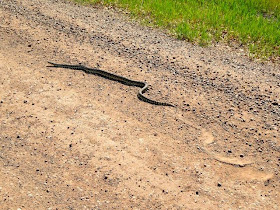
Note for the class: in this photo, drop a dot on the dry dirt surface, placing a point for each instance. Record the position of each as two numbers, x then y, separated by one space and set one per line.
70 140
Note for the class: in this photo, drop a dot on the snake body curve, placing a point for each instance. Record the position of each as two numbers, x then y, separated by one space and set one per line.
114 77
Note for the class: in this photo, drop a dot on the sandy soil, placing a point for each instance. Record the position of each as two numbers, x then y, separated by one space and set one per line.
70 140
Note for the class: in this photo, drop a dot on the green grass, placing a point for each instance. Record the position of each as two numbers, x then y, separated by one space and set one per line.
254 24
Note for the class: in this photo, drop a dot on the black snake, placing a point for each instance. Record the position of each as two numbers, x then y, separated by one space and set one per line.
114 77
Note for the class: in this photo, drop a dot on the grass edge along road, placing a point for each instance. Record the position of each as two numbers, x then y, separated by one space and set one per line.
252 24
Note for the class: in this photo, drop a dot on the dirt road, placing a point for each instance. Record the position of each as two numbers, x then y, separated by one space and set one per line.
70 140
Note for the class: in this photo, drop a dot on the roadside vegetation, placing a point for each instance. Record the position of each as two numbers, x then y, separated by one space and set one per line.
253 24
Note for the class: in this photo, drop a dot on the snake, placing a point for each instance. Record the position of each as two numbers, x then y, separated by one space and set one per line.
143 85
